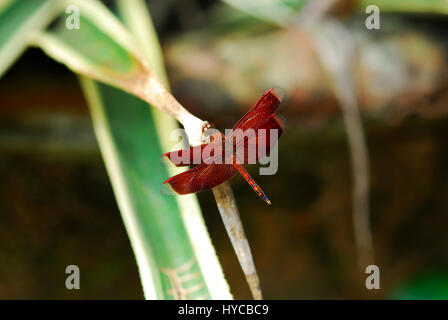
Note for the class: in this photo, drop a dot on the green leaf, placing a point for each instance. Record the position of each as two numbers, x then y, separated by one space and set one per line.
17 19
174 253
101 48
430 286
137 18
282 12
168 235
414 6
129 143
278 12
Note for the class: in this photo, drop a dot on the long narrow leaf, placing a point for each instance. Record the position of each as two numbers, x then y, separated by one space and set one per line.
17 19
138 20
129 143
415 6
103 49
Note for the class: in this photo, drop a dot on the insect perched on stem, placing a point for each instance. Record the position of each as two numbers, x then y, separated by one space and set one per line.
250 140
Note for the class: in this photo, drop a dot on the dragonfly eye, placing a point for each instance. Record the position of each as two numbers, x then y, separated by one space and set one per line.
207 126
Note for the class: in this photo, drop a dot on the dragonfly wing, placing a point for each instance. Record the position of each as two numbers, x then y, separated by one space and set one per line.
259 142
185 157
266 140
199 178
192 155
258 114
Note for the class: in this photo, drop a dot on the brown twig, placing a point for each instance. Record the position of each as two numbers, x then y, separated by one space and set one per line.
231 218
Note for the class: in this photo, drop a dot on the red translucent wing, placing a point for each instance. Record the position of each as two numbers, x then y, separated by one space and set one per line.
263 144
275 121
193 155
186 157
199 178
258 114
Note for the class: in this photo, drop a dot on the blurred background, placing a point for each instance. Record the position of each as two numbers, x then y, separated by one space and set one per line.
57 206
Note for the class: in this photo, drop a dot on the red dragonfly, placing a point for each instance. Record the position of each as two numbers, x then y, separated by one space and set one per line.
216 169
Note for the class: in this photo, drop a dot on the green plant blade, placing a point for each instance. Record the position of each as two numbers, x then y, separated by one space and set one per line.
139 22
101 48
168 234
159 227
284 12
278 12
17 19
414 6
129 144
137 19
432 285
